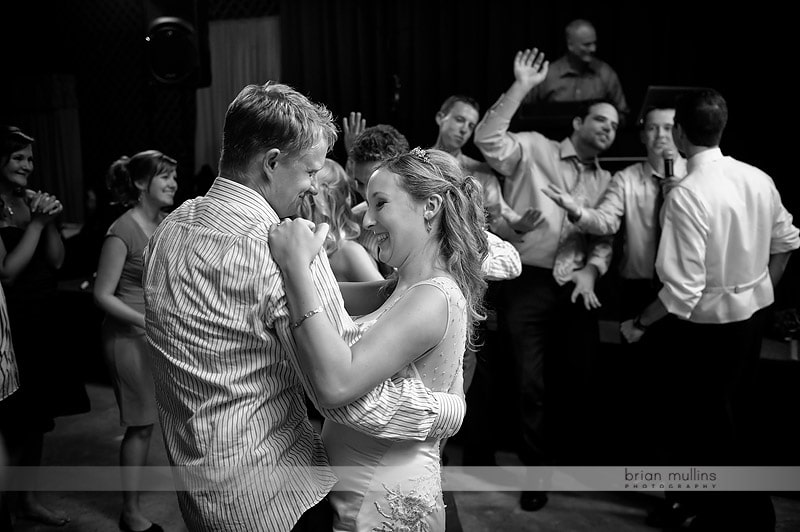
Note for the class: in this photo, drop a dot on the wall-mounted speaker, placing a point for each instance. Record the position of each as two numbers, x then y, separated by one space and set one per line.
176 41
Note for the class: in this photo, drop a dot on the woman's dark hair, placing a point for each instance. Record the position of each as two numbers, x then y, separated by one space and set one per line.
12 139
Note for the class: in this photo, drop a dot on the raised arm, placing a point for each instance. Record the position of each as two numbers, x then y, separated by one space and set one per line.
530 69
352 128
499 148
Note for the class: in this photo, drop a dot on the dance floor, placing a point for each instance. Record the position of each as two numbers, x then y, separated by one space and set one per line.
93 439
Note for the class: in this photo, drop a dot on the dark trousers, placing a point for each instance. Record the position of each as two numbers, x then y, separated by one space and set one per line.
640 379
481 428
318 517
635 295
554 343
452 523
709 419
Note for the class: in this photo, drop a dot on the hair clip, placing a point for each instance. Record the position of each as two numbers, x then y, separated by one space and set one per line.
421 154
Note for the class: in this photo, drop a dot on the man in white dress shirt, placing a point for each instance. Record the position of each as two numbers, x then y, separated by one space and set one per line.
634 196
549 311
725 242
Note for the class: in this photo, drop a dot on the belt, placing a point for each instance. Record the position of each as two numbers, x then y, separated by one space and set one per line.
738 287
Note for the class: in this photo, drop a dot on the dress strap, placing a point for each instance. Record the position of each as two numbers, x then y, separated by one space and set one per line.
416 371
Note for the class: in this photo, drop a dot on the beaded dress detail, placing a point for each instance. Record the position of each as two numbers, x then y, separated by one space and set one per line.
393 486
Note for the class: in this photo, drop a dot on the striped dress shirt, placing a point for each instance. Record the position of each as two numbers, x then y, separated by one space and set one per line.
228 383
503 260
9 375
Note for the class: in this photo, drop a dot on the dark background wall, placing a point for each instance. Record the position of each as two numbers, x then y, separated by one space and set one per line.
397 60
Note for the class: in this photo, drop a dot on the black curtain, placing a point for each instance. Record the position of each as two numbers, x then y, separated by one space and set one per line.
342 54
362 54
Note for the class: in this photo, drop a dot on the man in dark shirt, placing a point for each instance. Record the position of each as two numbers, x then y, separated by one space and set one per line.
579 75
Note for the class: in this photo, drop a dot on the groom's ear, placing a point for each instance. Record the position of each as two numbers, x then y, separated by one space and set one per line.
270 161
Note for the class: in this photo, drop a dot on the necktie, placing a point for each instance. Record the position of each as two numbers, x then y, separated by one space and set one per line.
658 216
571 242
659 204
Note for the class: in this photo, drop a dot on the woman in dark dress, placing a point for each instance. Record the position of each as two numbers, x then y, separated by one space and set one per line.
31 251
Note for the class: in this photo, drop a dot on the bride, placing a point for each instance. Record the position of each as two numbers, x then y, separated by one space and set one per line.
428 218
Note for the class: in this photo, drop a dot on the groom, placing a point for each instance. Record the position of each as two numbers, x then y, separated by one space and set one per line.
228 383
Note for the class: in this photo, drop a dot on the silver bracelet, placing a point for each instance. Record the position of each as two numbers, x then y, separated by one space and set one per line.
305 316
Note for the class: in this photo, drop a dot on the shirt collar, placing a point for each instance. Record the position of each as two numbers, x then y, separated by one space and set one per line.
242 200
570 70
567 151
649 171
704 157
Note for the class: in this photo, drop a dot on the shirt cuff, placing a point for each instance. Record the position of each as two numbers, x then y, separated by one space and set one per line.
600 264
673 303
452 409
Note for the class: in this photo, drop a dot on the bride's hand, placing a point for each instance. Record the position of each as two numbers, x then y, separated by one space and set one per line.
295 243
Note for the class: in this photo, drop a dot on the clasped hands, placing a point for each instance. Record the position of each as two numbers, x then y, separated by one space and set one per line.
296 243
43 204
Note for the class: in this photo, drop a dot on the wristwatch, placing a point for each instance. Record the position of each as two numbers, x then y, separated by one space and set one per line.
639 325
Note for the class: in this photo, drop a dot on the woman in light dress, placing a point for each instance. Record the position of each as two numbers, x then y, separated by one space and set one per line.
428 219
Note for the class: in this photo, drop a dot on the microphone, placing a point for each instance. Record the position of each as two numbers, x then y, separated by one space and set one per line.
669 161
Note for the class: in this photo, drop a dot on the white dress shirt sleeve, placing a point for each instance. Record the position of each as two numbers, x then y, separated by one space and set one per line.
500 148
680 262
784 236
606 217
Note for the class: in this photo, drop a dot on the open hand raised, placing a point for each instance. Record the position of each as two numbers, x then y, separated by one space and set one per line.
352 128
530 67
